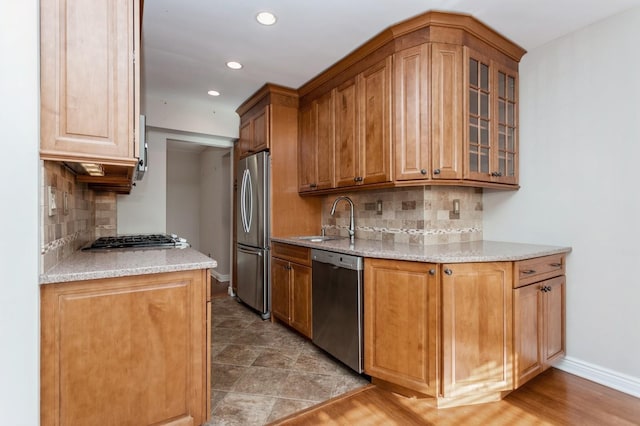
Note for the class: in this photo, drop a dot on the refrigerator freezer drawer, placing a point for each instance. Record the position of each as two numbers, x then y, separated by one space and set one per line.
253 278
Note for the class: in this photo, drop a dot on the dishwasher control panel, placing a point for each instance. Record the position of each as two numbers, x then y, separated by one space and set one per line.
341 260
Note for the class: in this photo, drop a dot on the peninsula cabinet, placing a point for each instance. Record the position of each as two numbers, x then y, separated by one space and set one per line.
363 127
126 351
316 145
291 286
462 333
89 90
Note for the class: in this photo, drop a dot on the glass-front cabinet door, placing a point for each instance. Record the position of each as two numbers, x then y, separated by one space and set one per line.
491 120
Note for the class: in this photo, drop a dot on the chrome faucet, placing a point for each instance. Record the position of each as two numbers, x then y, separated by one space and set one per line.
352 227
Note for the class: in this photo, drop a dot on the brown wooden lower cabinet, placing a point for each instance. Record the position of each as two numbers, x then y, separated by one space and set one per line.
291 286
126 351
459 332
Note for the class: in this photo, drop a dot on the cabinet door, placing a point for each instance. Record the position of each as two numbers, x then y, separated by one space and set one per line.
505 153
446 111
260 139
244 142
411 145
125 351
301 298
374 142
479 115
528 332
554 320
346 134
476 328
401 323
87 80
280 289
307 148
325 143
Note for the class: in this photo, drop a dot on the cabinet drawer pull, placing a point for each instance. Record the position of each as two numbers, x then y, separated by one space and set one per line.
423 171
313 185
556 264
436 172
529 271
448 271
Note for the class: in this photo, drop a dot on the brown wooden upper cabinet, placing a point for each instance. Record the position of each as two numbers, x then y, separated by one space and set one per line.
435 96
89 89
316 144
254 131
363 127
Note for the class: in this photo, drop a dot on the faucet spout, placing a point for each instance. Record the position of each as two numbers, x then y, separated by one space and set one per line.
352 227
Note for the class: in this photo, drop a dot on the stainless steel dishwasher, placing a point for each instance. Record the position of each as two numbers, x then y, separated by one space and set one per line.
337 305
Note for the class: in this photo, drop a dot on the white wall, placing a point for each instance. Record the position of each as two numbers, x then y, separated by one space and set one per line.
580 151
19 249
144 209
215 211
183 195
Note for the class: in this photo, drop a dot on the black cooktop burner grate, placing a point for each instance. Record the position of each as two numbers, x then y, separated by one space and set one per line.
131 241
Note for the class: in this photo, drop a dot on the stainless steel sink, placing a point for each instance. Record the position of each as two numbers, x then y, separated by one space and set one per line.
319 238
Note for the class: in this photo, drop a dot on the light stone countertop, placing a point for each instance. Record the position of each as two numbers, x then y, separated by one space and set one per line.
89 265
476 251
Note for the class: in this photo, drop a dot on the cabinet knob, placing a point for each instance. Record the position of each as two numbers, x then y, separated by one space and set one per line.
432 271
357 179
436 171
543 289
313 185
448 271
423 171
496 174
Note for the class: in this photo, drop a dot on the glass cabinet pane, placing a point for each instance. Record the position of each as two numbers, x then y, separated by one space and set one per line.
511 92
484 77
473 73
501 84
473 102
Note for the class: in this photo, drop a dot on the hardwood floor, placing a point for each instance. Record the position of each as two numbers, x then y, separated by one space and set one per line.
553 398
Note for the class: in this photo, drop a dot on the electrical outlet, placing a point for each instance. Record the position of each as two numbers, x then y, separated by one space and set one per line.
52 200
379 207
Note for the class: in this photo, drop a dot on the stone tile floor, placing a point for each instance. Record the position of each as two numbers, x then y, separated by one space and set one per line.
262 371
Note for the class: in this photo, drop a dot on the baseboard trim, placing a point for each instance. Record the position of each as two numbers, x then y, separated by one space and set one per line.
220 277
604 376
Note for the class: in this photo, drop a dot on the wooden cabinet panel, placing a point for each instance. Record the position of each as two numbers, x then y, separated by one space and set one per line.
125 351
260 140
244 142
374 97
280 289
411 120
297 254
301 298
476 328
401 323
316 145
528 333
88 80
446 111
537 269
553 312
346 134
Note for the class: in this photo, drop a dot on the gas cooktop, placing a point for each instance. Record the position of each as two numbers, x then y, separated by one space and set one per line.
135 241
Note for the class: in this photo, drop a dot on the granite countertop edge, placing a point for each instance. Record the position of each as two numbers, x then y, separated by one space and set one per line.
476 251
91 265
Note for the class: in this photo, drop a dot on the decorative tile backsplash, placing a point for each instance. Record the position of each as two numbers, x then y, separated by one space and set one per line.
85 216
416 215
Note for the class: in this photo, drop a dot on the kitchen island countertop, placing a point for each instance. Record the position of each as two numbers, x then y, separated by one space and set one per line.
88 265
475 251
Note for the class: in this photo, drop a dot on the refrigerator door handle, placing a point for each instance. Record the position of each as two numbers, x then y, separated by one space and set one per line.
245 190
248 251
249 201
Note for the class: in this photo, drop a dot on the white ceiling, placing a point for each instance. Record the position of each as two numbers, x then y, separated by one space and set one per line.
186 43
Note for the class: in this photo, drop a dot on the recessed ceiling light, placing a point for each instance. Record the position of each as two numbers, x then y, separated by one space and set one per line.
266 18
213 93
234 65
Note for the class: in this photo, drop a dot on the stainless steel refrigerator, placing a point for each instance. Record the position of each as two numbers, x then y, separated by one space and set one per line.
252 249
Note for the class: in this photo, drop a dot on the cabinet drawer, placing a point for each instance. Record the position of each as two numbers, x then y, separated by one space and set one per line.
296 254
538 269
